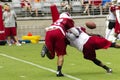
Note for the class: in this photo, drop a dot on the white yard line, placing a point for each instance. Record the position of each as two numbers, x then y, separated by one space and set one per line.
38 66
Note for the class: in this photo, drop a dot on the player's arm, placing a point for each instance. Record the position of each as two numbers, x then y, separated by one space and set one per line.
70 36
72 29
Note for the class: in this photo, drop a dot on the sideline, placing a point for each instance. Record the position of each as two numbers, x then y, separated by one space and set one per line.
36 65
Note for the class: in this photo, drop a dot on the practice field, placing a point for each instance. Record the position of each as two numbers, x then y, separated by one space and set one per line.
25 63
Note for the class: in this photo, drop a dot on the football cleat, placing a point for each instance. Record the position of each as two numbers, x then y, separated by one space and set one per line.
109 70
59 74
44 51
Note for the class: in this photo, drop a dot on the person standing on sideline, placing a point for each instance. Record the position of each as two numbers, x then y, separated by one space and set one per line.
9 17
55 40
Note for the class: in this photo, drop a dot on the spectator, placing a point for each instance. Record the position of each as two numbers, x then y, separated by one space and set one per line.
86 4
97 4
106 4
26 5
36 6
9 17
66 6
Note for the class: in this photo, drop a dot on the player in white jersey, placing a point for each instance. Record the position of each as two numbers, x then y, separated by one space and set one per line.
110 22
88 44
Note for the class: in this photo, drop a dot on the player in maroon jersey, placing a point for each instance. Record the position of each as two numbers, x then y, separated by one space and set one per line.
55 39
111 20
117 24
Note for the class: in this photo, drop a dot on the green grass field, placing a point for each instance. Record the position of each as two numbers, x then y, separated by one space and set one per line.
25 63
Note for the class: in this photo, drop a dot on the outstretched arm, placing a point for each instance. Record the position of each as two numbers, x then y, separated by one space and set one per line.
75 31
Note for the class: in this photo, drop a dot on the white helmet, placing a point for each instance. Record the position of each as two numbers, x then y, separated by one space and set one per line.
64 15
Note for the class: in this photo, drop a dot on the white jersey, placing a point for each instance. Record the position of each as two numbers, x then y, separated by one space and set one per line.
80 41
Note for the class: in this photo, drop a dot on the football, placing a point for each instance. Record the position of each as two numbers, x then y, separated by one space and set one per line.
90 25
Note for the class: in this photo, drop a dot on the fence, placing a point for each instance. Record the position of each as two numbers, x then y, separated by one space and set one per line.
77 7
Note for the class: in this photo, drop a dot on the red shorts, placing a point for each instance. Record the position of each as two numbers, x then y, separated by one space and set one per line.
55 42
93 44
10 31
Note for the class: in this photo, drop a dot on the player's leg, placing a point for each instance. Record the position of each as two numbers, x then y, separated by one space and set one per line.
99 63
60 48
8 34
115 45
14 35
90 54
48 48
9 40
110 31
59 65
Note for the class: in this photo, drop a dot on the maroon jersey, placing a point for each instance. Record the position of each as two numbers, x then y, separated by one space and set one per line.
64 23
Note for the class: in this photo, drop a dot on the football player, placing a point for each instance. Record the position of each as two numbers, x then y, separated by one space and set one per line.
55 39
89 44
111 20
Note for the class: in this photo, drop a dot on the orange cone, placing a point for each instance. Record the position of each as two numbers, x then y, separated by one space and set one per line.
29 34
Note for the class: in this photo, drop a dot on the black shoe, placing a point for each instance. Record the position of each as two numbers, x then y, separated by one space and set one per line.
109 70
44 51
59 74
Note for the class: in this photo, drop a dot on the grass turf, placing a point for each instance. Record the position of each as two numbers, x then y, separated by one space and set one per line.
74 64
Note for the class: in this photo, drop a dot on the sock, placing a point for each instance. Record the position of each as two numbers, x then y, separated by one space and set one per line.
59 68
105 67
